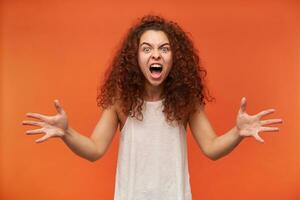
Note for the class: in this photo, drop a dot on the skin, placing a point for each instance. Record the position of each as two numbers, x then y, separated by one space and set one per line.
150 50
154 47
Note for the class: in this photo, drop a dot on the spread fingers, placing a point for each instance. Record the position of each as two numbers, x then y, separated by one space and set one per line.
36 131
33 123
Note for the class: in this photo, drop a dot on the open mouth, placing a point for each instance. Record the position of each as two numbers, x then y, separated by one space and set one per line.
156 68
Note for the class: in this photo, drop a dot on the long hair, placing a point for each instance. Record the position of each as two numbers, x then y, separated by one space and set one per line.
183 88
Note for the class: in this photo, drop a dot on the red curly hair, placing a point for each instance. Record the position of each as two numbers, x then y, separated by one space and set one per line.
183 88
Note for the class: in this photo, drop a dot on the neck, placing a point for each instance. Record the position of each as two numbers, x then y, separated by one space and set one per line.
153 93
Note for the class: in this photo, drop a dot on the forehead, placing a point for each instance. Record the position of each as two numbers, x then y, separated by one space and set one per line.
154 37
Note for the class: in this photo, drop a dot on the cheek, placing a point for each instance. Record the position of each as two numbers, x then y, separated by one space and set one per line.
169 60
142 60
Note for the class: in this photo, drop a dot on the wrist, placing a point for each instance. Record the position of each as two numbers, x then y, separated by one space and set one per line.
66 133
238 132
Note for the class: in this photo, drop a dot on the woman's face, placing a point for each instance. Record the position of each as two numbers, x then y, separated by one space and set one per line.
155 56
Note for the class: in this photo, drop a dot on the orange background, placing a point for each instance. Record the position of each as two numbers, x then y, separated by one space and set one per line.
60 49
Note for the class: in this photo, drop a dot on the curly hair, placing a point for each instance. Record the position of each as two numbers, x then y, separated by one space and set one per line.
183 88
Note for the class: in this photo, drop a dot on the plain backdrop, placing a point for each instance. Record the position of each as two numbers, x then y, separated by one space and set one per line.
61 49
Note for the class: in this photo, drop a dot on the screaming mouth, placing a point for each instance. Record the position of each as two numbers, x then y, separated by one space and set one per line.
155 68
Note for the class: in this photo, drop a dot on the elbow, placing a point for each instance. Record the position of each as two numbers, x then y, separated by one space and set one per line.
92 159
212 156
215 157
96 154
95 157
211 153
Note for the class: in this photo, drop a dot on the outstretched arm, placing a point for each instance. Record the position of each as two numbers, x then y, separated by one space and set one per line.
90 148
215 147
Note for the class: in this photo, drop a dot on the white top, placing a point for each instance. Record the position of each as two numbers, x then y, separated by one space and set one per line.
152 159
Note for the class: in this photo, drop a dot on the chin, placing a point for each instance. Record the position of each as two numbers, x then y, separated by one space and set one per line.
156 83
153 82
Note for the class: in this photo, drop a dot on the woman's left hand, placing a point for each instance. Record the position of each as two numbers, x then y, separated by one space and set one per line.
252 125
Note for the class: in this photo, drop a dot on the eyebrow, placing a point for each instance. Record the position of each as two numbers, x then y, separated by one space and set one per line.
166 43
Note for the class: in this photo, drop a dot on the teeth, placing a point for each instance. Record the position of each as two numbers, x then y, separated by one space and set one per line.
155 68
156 65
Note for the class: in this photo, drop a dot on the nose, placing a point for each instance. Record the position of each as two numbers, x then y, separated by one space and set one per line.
156 55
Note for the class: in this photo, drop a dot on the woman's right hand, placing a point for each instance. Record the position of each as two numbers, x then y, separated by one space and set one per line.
52 126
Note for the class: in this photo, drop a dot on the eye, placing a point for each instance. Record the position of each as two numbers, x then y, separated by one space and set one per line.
146 49
165 49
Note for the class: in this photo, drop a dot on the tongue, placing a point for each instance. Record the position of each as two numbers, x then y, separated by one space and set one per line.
156 74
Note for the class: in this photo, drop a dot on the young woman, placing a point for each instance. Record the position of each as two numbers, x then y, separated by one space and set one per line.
153 89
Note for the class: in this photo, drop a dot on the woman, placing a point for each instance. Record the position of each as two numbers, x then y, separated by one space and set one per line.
153 89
